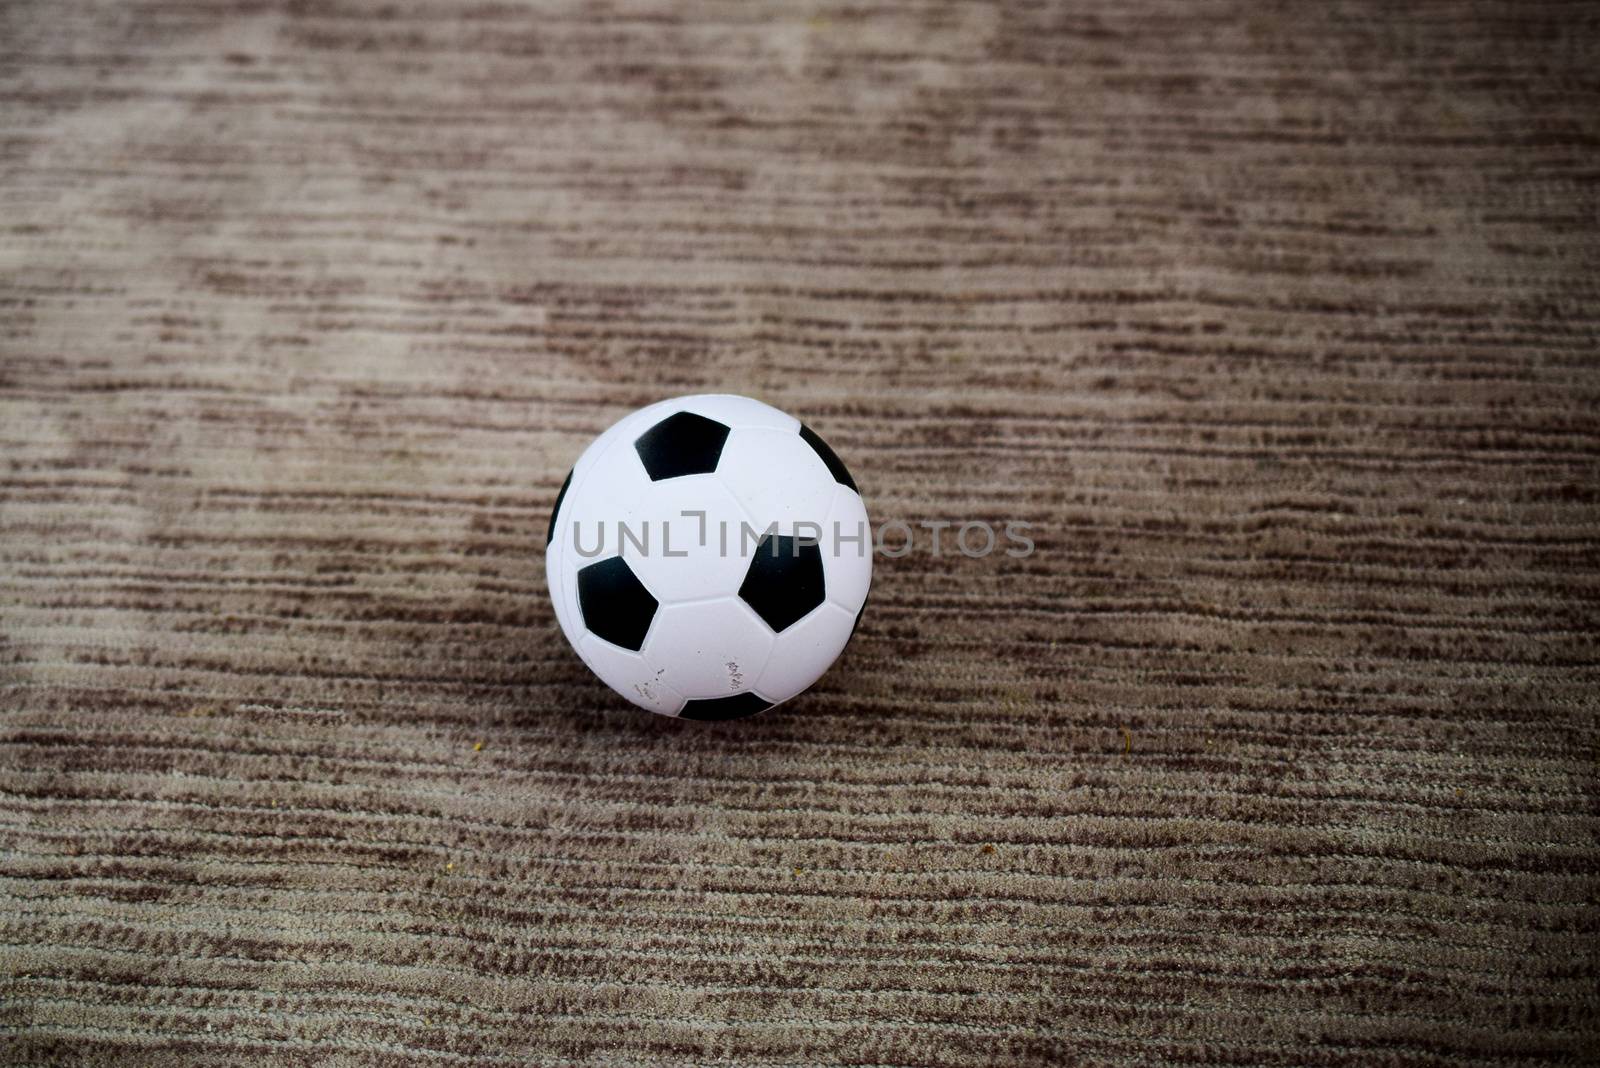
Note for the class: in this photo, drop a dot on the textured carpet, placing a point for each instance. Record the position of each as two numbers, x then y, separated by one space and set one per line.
1280 322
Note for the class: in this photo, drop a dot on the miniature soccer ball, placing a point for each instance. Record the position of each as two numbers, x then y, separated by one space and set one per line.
708 557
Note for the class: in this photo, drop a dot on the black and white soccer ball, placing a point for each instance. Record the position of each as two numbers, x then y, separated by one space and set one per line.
708 557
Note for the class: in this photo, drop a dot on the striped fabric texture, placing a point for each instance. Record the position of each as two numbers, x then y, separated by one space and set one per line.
1279 323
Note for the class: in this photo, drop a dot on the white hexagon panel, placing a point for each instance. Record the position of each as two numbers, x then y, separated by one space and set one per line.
848 566
692 557
710 648
680 556
802 494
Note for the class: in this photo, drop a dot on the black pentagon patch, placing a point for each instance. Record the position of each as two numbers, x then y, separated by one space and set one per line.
681 444
737 706
615 604
785 579
836 466
550 534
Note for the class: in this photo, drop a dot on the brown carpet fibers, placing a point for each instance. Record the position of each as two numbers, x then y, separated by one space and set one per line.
1280 321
